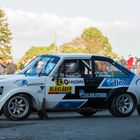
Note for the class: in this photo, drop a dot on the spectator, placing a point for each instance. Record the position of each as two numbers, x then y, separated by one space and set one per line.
11 67
129 63
135 67
2 67
138 70
123 61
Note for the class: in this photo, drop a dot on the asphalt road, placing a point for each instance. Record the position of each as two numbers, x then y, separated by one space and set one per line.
72 126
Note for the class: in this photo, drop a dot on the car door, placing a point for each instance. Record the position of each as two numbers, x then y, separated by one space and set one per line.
106 76
60 91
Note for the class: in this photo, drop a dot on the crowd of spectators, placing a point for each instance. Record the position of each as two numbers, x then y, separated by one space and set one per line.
132 63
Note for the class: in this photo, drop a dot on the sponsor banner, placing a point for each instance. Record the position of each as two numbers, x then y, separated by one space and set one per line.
62 89
113 82
70 81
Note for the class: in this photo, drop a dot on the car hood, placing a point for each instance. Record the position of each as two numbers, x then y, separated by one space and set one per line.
12 76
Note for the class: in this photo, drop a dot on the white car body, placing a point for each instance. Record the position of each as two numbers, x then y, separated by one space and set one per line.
40 87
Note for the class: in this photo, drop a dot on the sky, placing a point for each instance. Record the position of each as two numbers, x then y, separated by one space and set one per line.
41 22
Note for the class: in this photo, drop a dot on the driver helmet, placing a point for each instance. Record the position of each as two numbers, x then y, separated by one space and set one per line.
72 67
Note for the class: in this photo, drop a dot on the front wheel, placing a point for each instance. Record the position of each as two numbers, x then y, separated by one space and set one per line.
122 105
17 107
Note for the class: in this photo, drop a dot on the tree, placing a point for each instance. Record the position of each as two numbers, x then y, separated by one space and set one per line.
5 36
91 41
36 50
70 48
95 42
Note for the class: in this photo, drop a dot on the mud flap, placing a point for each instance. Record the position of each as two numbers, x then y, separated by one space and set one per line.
42 113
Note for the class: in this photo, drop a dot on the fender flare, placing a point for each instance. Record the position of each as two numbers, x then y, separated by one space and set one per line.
34 99
117 91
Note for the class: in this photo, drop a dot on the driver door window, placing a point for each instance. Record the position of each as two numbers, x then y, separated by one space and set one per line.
74 68
69 69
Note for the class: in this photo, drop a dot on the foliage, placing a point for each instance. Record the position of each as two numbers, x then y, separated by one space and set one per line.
69 48
5 36
34 51
95 42
91 41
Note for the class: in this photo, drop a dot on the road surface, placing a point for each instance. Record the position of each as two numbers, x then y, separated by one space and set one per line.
72 126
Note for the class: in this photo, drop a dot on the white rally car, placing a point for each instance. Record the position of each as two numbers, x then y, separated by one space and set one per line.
69 82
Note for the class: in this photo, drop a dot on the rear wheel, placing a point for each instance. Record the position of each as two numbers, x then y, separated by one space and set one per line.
122 105
17 107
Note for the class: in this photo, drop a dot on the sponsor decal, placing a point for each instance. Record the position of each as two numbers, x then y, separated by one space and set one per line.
69 104
41 89
112 82
23 82
82 94
54 89
74 81
138 82
35 84
60 82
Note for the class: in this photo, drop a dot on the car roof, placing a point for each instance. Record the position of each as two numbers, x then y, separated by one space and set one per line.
75 55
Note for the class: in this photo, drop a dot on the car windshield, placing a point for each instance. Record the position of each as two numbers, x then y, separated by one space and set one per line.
43 64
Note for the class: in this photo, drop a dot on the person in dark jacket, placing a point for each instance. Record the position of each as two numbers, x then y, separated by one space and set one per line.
2 66
11 67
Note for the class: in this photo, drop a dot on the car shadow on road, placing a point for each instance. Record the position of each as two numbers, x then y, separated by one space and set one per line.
33 118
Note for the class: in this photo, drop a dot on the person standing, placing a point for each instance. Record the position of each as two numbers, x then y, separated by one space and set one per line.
2 66
11 67
123 61
130 62
135 67
138 69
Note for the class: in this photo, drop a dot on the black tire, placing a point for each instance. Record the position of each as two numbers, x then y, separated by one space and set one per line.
87 113
17 108
122 105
